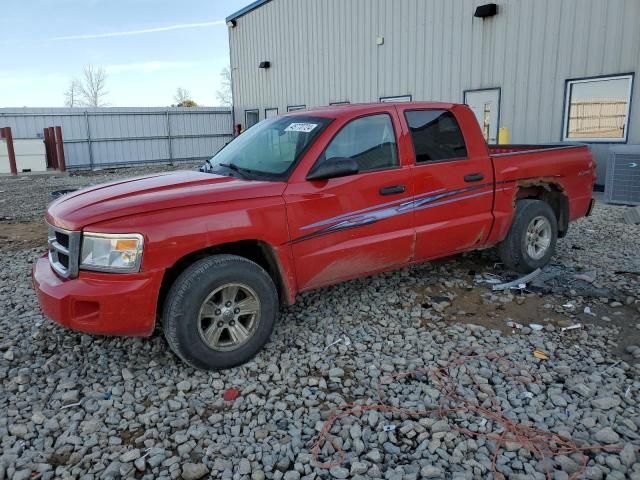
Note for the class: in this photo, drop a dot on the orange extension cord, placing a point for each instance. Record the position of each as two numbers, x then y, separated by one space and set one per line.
541 443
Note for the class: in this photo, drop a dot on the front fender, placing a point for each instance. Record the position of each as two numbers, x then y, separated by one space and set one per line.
173 234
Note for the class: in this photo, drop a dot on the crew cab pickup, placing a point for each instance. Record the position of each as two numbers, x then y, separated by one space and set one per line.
295 203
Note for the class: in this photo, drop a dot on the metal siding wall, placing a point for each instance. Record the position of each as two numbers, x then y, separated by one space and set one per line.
324 51
121 136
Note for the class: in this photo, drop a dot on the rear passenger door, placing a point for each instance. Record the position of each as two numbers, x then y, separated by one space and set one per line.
453 184
351 226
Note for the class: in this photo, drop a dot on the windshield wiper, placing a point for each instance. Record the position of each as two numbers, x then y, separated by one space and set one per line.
241 170
235 168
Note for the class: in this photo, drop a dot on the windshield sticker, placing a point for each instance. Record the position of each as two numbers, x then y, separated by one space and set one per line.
301 127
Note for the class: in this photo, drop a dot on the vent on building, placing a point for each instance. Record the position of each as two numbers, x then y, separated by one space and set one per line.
622 184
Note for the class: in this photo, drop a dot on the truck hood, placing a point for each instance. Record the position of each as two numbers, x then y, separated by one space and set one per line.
150 193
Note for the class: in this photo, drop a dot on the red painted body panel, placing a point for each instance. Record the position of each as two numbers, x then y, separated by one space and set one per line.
459 222
570 169
100 303
163 191
320 232
321 257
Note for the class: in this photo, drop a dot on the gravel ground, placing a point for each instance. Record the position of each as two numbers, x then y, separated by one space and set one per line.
25 197
477 401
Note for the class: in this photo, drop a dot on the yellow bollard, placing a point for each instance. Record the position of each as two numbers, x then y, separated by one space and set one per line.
503 136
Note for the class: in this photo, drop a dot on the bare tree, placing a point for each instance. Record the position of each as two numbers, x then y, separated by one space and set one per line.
183 98
73 94
224 94
93 86
181 95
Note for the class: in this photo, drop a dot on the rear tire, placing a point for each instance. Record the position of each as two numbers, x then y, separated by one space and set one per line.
220 312
531 240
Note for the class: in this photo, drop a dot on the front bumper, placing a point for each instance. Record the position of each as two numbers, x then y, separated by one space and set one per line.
99 303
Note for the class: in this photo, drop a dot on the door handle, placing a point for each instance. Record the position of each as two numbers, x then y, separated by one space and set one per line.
473 177
392 190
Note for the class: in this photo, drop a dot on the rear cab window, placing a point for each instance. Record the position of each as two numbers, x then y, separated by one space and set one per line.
436 136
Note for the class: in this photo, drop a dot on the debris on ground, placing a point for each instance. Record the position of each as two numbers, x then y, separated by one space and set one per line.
231 394
87 399
588 277
344 339
520 283
514 325
571 327
588 311
539 354
488 278
554 279
561 280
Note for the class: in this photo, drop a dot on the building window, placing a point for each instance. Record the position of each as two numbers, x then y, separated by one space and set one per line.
400 98
370 141
295 108
251 117
270 112
335 104
436 135
597 109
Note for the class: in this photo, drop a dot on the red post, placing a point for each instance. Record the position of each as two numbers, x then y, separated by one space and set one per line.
47 148
60 149
52 147
6 133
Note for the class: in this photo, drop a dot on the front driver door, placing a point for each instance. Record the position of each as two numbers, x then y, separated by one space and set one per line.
346 227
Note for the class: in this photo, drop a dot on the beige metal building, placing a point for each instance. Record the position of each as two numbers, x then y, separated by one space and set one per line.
547 70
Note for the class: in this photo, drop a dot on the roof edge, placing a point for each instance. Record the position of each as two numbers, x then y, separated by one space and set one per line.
249 8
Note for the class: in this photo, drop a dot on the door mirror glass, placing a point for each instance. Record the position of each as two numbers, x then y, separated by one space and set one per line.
333 167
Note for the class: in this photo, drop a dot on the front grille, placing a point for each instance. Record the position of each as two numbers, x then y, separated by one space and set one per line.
64 251
63 239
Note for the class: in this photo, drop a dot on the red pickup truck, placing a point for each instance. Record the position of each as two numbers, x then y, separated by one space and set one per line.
298 202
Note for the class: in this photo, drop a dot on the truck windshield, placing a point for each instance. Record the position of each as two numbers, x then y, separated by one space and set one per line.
271 148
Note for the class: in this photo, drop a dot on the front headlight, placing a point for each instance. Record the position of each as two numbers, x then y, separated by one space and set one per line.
110 252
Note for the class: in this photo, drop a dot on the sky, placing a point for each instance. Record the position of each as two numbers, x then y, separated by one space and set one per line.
149 48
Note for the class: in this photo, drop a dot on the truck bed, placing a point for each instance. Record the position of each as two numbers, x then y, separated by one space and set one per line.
565 168
513 149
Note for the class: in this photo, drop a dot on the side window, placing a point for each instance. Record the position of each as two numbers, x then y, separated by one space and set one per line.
251 117
436 135
370 141
597 109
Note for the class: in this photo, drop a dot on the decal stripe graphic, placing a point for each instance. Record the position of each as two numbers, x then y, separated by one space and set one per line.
407 203
370 215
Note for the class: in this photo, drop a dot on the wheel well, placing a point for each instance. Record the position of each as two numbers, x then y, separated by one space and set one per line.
254 250
551 194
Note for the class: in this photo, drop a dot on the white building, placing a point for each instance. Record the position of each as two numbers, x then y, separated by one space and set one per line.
547 70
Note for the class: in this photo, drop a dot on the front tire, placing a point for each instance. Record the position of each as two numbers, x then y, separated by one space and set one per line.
531 240
220 312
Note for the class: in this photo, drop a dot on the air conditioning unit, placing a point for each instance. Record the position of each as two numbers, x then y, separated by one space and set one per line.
622 184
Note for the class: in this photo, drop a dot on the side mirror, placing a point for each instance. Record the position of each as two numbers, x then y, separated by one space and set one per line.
333 168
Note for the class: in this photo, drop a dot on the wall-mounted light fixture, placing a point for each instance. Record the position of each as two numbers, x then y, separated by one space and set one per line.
264 65
232 24
488 10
